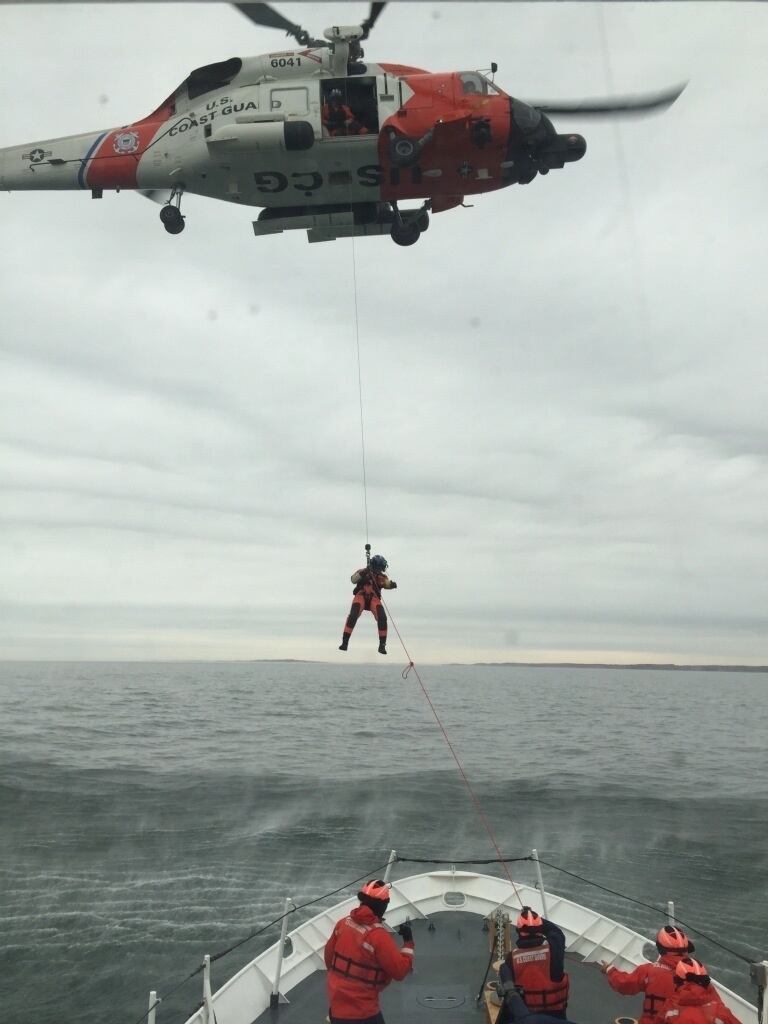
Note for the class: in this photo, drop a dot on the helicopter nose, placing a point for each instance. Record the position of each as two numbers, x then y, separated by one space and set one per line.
562 150
576 147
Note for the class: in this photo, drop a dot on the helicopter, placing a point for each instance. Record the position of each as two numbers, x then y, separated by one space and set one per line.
321 139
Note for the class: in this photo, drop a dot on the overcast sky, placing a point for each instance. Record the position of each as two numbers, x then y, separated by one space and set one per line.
565 387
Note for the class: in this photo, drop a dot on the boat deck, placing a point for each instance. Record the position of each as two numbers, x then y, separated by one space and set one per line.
452 954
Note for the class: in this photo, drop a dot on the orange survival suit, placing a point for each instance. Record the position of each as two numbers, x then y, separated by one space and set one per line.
338 119
536 965
657 980
362 959
369 584
694 1004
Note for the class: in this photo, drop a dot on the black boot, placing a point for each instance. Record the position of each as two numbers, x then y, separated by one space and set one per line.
382 646
344 643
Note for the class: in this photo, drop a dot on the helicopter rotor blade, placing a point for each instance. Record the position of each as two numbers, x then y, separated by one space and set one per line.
263 14
616 107
372 18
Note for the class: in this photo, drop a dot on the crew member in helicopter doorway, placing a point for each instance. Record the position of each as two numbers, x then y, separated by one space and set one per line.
369 583
362 958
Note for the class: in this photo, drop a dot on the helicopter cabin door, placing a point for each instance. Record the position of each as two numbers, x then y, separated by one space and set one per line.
349 107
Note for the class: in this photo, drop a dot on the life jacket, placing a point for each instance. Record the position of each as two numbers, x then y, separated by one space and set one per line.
660 986
354 956
371 585
531 969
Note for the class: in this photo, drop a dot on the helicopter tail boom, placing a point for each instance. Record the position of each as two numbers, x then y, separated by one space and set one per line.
50 164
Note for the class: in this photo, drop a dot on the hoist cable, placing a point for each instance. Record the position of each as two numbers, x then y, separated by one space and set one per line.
360 385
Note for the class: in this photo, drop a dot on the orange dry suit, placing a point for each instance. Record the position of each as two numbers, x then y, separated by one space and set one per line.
368 587
362 959
338 119
695 1004
656 980
537 967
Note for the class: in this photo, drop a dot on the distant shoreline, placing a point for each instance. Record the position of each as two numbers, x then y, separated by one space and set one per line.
670 667
645 666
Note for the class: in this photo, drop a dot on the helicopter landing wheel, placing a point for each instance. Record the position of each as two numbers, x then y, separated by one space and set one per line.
407 233
422 219
404 151
172 220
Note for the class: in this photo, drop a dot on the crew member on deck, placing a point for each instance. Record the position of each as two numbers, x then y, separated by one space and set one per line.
695 1000
362 958
536 966
656 980
369 583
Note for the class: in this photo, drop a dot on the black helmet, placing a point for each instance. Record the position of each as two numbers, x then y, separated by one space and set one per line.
379 563
334 96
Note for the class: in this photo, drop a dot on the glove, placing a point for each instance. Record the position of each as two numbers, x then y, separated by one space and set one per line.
392 585
405 932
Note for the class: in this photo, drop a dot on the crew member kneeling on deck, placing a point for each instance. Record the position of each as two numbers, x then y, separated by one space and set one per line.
695 1000
656 980
362 958
535 968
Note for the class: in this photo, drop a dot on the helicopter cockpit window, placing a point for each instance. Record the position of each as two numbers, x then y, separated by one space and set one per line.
473 82
212 76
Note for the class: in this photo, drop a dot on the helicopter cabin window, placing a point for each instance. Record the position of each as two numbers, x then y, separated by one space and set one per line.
473 82
291 100
349 107
212 76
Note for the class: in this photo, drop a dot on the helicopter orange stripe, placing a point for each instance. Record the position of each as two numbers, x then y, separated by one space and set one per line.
115 163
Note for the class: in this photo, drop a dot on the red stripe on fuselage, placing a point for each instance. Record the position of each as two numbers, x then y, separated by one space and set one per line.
116 162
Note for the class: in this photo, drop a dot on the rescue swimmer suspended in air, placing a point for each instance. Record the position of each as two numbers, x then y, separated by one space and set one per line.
321 139
369 583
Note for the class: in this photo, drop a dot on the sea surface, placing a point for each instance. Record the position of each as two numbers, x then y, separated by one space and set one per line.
152 813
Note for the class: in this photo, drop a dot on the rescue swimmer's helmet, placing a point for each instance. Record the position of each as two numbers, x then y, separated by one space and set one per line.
335 96
528 921
673 940
689 969
379 563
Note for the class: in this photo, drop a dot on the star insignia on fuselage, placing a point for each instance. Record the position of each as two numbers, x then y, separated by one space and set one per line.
37 156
